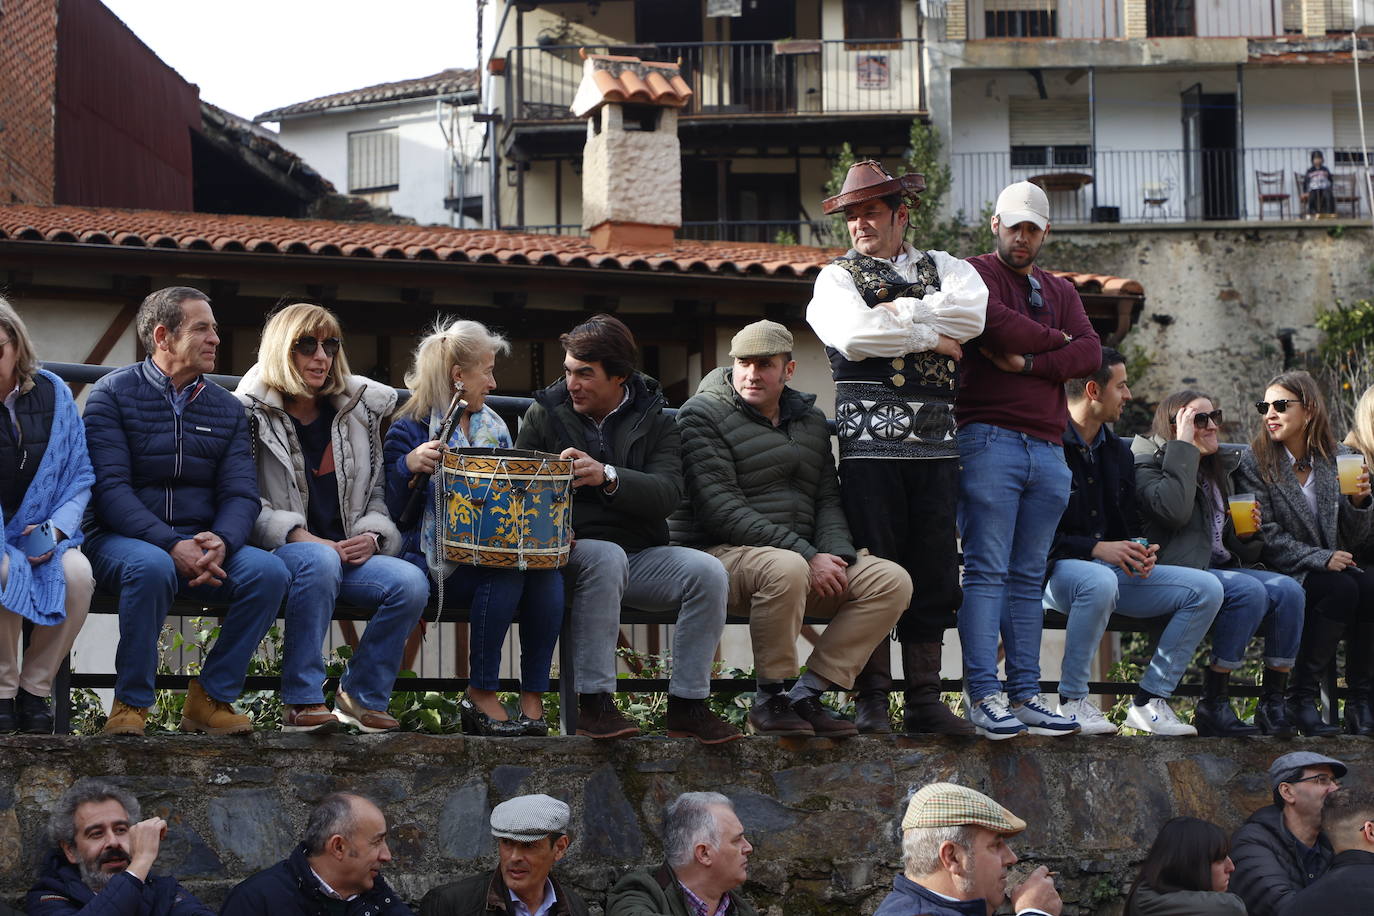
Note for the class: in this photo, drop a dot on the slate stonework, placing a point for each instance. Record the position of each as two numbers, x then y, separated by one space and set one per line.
822 818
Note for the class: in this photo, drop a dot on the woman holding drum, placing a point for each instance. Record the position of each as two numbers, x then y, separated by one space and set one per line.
457 361
1311 525
317 440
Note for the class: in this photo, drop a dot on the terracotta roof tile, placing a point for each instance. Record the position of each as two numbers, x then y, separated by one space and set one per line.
610 78
273 235
445 82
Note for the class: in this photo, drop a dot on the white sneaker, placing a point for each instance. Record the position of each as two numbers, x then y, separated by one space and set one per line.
992 718
1157 718
1089 718
1040 719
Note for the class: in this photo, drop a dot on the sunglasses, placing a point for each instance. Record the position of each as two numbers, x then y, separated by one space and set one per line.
307 345
1036 300
1204 420
1281 405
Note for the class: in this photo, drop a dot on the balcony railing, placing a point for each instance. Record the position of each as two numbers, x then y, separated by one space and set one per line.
1161 185
739 77
796 231
1105 18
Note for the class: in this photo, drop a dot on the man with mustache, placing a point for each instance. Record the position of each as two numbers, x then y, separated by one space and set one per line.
101 863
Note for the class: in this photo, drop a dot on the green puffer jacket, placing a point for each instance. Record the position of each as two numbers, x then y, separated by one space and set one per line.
638 439
656 893
1174 507
755 484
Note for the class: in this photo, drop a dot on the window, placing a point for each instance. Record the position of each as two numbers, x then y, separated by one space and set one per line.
1050 132
1169 18
1345 124
374 160
1020 18
869 21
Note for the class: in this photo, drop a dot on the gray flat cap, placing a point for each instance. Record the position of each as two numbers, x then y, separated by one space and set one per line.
530 817
1289 765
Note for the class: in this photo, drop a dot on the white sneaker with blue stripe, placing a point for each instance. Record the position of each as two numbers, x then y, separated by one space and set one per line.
1157 718
1040 718
992 718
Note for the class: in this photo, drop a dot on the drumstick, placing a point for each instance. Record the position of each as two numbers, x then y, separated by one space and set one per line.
419 482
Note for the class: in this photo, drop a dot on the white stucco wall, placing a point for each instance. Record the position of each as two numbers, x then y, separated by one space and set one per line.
322 141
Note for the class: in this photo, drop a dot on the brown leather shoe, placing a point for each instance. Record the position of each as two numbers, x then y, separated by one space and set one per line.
822 722
926 713
368 721
694 719
776 718
214 717
125 719
314 717
598 717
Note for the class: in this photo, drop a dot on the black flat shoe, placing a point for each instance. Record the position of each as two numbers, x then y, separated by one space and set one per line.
476 722
8 721
35 713
533 728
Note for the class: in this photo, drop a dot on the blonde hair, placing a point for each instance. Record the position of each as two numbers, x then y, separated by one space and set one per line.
26 360
1321 442
279 337
453 342
1361 435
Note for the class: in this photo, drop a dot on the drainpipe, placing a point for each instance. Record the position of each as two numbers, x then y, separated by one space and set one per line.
1359 111
1240 137
1092 133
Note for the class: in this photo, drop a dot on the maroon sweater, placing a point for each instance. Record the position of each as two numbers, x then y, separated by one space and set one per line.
1035 403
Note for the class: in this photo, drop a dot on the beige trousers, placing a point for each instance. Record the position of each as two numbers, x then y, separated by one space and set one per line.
48 645
771 586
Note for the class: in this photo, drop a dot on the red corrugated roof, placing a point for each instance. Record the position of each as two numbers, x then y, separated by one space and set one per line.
281 235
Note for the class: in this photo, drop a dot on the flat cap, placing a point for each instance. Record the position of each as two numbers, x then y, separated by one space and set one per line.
1287 767
762 338
944 804
530 817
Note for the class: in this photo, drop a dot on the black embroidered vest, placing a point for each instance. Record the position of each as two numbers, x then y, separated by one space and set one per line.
893 407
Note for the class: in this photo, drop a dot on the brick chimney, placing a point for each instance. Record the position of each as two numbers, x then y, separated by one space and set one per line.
632 162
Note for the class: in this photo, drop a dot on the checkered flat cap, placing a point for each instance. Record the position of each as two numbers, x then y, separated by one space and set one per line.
530 817
943 804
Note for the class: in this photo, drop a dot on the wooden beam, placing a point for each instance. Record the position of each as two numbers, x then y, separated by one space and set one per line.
107 341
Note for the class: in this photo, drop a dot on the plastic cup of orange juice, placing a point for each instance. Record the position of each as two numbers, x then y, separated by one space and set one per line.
1242 506
1348 467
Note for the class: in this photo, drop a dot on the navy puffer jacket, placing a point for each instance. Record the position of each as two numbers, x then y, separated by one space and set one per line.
61 892
161 478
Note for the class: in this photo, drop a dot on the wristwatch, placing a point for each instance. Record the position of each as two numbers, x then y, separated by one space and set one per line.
1030 362
612 479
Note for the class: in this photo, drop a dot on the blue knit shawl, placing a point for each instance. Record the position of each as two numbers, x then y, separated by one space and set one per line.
40 592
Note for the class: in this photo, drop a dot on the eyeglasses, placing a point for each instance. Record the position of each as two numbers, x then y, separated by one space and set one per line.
1036 300
1281 405
1321 779
307 345
1204 420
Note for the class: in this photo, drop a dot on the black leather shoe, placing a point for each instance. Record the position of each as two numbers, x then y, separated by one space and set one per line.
775 717
1359 716
1215 718
1271 715
531 727
871 714
476 722
35 713
1308 721
8 721
822 722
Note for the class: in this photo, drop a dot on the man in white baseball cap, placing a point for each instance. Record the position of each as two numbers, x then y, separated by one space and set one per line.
1011 411
955 859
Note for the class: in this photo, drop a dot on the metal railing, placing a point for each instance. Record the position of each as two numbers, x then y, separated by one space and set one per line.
1105 18
1159 185
738 77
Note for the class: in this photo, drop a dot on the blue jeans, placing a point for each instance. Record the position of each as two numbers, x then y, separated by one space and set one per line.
1012 490
493 596
395 589
146 580
1090 591
1255 598
688 586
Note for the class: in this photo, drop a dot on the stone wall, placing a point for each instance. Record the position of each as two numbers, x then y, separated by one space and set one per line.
1216 297
822 818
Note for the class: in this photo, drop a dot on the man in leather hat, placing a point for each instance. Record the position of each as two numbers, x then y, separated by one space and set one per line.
892 318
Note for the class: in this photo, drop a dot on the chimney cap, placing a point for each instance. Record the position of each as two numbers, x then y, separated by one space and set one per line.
621 80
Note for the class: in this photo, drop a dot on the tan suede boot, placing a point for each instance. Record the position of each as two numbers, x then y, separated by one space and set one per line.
203 714
125 719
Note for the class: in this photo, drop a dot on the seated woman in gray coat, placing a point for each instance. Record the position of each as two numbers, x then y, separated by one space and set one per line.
1309 530
1183 485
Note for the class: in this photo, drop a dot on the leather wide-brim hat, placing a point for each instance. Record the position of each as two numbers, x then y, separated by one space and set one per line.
868 180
